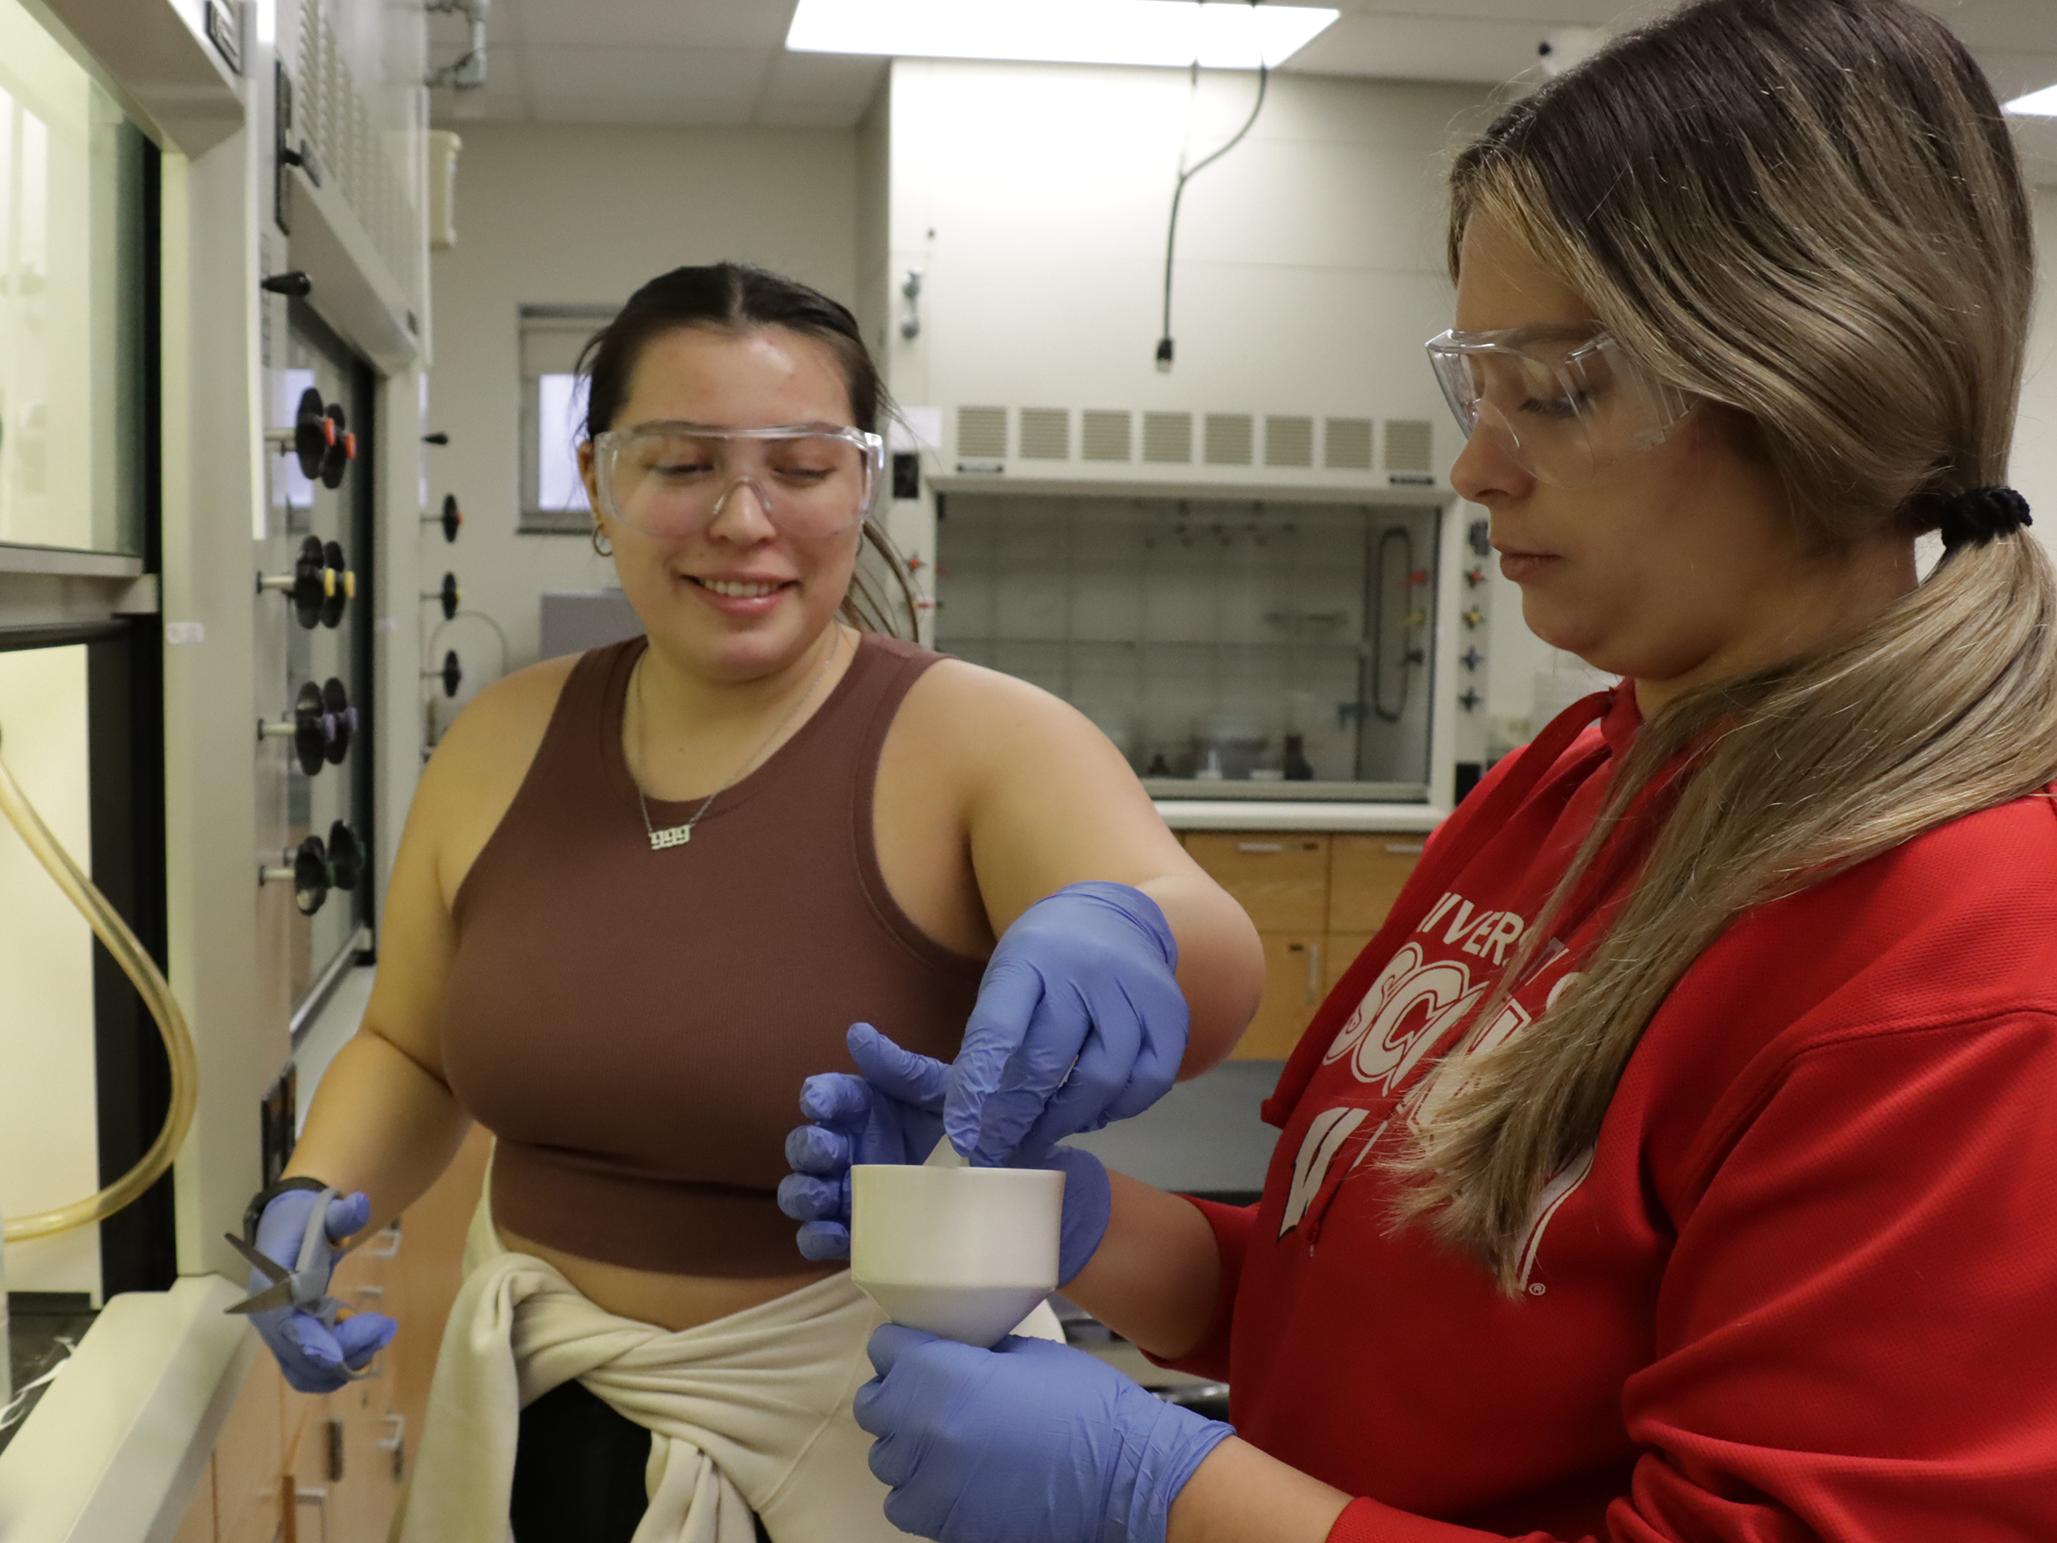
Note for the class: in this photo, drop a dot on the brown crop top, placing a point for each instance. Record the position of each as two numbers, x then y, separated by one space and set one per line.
634 1026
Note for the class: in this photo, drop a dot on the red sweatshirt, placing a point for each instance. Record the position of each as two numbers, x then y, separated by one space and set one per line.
1805 1285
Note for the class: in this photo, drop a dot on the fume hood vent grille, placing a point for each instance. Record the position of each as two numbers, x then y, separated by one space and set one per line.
1103 435
1168 438
1288 441
1347 444
1409 445
982 433
1231 439
1045 434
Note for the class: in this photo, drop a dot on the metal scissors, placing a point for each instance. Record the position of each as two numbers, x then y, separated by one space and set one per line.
299 1287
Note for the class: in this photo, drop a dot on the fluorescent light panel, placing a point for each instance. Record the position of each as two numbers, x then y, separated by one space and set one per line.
1228 35
2041 104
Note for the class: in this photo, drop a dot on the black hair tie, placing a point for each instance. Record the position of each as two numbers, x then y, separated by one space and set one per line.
1979 515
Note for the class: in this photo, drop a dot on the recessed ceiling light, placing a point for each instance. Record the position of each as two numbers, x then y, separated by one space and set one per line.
2041 104
1224 35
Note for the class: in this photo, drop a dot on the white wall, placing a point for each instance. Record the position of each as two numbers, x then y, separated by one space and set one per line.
1310 259
563 215
2035 441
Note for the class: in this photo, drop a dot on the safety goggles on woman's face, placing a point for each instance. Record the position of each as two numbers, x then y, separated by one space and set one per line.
1566 405
672 480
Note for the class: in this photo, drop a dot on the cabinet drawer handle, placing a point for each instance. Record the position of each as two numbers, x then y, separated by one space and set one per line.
397 1445
318 1497
376 1293
390 1249
1314 975
1405 848
1258 848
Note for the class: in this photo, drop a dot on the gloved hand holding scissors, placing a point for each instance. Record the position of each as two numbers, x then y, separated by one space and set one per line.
293 1245
1079 1022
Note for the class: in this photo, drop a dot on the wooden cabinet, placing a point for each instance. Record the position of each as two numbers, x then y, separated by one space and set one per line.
1316 900
1366 873
1279 878
249 1457
293 1468
197 1525
315 1497
1294 984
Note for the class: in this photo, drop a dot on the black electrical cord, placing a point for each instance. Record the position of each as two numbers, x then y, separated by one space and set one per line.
1187 174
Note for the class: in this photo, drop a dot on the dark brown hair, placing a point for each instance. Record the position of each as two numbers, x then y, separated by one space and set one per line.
735 297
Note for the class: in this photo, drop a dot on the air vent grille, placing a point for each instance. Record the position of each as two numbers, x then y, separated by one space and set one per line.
1410 446
1347 444
1288 441
1168 438
1104 435
1231 439
1045 434
982 433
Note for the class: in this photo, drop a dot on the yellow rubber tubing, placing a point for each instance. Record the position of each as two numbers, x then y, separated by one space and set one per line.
137 965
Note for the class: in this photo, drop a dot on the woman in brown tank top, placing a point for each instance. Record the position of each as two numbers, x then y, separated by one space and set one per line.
642 893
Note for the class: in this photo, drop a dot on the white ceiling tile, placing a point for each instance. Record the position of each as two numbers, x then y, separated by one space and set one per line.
1531 13
446 27
2016 74
673 113
1400 47
504 94
837 79
807 115
644 75
657 23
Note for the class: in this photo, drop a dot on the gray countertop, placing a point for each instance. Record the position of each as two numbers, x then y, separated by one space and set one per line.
1288 814
1204 1136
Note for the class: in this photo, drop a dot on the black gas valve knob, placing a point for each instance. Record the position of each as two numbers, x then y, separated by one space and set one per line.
312 584
335 701
439 437
312 436
450 519
292 282
306 868
342 451
451 674
312 729
337 604
346 857
449 595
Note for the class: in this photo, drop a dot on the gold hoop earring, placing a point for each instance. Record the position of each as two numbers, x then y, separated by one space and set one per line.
601 544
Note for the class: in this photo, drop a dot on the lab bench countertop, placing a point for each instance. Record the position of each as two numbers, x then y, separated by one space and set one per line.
1289 814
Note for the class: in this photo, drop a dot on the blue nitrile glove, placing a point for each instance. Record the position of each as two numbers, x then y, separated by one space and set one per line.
1029 1442
1083 976
893 1113
310 1355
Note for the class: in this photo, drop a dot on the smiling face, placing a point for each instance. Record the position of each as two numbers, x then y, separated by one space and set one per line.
1679 566
738 599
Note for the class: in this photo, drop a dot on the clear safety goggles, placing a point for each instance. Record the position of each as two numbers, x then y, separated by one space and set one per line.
1568 412
672 480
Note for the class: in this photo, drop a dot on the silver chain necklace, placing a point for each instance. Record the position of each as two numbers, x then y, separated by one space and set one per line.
679 835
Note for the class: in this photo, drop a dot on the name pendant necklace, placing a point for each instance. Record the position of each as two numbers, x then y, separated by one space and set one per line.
678 835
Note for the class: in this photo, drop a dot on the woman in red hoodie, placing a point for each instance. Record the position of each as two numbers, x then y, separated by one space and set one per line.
1681 1160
